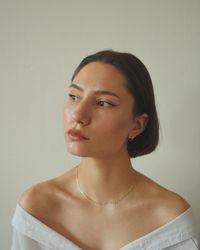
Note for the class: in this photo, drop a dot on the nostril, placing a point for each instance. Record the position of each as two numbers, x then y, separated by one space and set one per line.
77 123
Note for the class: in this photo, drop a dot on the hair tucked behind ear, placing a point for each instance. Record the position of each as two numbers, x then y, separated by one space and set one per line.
140 86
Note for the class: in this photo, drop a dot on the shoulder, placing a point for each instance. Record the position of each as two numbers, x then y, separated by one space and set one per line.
164 204
170 205
37 197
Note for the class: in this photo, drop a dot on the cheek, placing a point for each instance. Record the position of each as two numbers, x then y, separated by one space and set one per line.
117 128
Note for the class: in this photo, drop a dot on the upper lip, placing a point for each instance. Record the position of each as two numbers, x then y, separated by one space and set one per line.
77 133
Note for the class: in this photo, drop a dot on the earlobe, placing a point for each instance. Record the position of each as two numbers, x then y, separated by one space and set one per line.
131 139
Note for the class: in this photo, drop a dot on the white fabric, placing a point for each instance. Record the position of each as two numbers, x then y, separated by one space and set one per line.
31 234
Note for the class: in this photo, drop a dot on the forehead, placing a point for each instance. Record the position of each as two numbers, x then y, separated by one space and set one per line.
99 75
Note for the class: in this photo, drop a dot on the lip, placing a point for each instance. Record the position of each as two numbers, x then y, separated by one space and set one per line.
75 134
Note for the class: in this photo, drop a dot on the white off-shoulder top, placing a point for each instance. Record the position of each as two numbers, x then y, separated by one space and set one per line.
29 233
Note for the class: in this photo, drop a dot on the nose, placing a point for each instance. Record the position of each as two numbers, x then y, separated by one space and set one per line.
80 114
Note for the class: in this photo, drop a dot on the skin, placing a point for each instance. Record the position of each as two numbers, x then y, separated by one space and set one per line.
105 171
104 155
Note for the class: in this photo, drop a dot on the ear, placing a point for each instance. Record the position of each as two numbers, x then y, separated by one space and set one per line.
139 125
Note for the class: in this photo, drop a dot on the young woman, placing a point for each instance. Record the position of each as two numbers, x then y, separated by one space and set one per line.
103 203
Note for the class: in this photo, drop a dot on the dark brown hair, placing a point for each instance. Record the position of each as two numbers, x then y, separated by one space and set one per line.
139 84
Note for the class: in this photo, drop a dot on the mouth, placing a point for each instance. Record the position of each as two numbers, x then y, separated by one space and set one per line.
76 135
76 138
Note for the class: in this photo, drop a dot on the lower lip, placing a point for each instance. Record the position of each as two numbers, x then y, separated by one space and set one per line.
76 138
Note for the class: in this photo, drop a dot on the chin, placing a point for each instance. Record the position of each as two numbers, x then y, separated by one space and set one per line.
80 154
78 151
86 153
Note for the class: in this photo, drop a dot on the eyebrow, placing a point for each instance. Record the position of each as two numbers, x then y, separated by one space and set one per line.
100 91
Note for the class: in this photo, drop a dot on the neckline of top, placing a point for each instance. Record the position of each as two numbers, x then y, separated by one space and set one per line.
64 240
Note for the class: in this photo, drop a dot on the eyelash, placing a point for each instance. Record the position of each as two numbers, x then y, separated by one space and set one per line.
72 96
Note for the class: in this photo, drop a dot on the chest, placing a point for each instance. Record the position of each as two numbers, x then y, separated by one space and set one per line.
97 230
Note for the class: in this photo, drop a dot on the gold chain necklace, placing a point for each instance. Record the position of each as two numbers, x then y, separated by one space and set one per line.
102 203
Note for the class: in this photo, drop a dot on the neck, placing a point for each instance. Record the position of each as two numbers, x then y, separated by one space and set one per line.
106 179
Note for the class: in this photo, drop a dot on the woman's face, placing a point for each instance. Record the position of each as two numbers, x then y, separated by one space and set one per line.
104 118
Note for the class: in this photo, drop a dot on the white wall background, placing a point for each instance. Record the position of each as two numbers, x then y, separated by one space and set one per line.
42 41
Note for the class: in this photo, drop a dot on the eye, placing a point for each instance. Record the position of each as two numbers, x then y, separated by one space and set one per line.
102 103
109 104
72 96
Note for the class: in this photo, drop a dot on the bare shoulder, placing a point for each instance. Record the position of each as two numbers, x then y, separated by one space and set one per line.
37 197
170 205
165 204
46 196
